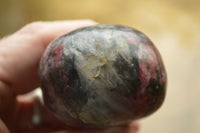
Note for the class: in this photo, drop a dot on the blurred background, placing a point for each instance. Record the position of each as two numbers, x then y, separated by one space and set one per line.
174 27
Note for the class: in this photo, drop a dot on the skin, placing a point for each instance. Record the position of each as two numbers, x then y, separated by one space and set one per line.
19 60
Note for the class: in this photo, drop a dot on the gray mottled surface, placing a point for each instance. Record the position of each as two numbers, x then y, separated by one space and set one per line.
103 75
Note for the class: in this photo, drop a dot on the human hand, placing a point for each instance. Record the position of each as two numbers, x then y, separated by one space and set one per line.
19 60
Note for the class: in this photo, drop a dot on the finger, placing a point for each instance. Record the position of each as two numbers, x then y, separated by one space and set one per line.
7 105
3 128
20 53
33 116
27 84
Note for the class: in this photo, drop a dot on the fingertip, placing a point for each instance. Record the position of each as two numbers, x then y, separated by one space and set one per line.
134 125
54 29
3 128
86 21
90 21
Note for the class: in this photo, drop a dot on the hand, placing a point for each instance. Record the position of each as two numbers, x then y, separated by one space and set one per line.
19 60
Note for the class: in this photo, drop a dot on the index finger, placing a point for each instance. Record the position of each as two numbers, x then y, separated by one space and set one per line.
20 53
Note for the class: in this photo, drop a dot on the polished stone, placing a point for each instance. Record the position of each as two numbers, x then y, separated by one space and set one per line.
102 75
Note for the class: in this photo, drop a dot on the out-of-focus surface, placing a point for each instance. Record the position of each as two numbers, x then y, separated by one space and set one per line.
174 27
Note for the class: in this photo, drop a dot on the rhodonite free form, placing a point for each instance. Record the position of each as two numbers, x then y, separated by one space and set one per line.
102 75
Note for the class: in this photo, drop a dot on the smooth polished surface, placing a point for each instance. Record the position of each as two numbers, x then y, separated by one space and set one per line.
102 75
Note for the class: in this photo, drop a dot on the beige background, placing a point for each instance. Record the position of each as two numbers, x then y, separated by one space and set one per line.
174 27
